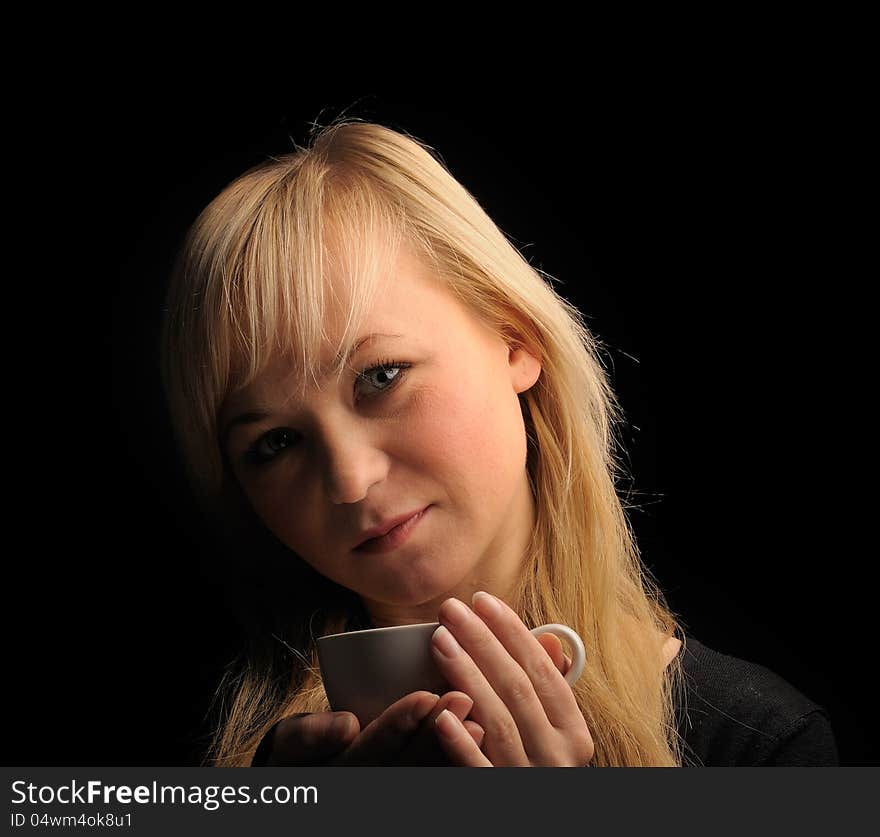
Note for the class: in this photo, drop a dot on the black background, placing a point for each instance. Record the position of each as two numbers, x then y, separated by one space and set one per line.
697 221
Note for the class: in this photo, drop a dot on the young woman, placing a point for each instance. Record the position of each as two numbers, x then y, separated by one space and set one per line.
352 346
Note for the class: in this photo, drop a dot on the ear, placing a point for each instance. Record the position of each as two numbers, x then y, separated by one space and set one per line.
525 368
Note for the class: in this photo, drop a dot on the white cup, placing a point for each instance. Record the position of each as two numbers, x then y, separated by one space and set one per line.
364 672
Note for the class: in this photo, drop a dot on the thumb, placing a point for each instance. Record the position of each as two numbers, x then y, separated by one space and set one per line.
553 646
309 738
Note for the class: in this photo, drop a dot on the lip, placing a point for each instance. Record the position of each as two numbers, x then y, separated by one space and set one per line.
393 533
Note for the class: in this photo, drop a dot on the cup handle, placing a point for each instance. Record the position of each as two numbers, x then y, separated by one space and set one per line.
577 644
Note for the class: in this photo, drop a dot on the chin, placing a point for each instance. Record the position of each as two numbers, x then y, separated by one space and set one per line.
415 590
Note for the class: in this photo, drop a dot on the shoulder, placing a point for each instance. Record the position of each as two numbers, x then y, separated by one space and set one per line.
738 713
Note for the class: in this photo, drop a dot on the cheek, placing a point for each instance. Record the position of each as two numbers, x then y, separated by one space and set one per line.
294 521
283 507
474 437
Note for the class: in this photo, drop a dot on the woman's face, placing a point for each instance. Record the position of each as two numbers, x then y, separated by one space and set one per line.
428 419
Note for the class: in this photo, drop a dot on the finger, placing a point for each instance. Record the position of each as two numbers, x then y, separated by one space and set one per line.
549 686
422 749
463 666
385 736
311 739
476 731
459 742
458 703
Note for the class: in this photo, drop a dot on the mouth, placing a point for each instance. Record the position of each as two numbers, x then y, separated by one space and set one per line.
395 537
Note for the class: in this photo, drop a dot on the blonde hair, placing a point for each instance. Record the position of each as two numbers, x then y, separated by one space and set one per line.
250 282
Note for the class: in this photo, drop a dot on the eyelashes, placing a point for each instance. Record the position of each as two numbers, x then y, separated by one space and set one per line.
382 377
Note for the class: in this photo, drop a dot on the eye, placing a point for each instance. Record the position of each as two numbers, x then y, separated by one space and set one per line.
269 445
383 376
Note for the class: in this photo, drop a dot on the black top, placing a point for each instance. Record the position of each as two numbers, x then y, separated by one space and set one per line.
741 714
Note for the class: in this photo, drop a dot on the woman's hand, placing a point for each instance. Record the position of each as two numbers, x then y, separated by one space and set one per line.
521 699
401 735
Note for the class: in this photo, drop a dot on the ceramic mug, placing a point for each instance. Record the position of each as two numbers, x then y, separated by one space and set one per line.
364 672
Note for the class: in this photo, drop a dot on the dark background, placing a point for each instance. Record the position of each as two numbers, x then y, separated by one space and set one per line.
697 223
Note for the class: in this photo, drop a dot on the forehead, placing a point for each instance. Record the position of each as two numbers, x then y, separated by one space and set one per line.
406 288
409 299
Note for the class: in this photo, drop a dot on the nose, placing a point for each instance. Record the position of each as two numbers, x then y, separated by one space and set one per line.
353 462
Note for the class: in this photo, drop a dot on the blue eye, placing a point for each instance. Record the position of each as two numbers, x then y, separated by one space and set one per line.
269 445
383 376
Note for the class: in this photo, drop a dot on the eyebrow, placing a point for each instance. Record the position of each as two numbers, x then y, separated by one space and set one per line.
254 416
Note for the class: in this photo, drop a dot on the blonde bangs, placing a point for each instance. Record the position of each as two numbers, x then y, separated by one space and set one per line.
315 250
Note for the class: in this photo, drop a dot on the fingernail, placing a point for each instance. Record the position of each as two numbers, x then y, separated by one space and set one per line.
447 724
445 643
486 604
457 611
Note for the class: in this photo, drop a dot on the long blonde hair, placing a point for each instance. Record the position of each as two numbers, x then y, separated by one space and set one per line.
250 282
